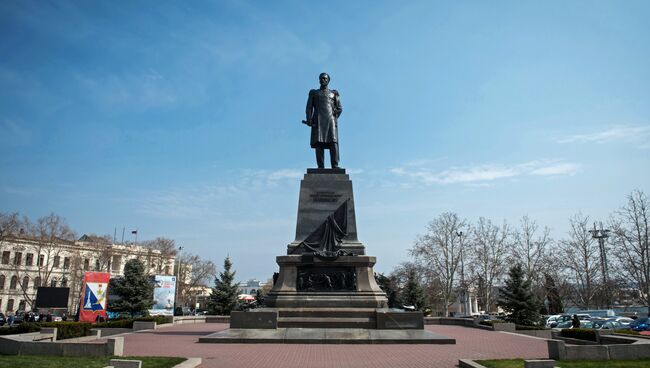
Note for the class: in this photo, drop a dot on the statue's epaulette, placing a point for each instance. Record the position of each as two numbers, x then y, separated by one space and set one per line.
335 92
312 91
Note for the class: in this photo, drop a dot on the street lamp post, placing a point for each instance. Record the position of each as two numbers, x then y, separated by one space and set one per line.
463 296
178 276
602 234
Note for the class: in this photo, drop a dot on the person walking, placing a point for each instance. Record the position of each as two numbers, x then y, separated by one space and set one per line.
575 321
10 320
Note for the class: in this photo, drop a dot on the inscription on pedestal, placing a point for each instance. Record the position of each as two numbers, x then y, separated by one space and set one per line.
325 196
326 279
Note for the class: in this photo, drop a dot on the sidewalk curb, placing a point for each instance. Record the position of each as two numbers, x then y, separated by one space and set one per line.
189 363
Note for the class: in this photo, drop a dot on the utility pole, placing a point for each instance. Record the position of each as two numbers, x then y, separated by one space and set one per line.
602 234
178 281
463 294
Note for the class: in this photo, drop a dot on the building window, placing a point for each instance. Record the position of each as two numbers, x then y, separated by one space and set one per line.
2 281
13 282
97 265
41 260
22 305
167 270
25 284
117 263
57 261
10 305
53 283
86 264
37 282
5 257
29 259
64 282
66 263
18 258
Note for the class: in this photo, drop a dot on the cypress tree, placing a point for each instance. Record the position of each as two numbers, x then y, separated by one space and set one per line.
552 295
224 293
517 299
135 290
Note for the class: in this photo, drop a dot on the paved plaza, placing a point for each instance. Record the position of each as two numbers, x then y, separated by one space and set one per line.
181 340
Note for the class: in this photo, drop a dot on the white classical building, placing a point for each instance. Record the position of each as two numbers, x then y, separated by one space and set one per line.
251 286
28 263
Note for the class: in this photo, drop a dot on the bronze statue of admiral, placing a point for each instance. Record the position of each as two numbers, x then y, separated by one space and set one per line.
323 110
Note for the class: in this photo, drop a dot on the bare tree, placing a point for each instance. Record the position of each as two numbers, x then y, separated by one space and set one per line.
438 251
488 263
530 248
194 272
631 232
580 256
44 241
156 260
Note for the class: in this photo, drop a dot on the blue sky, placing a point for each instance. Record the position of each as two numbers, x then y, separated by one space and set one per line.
182 119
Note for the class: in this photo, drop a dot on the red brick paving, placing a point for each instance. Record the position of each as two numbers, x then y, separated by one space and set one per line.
180 340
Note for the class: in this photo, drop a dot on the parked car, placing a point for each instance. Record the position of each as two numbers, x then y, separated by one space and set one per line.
622 320
605 324
562 319
641 324
3 320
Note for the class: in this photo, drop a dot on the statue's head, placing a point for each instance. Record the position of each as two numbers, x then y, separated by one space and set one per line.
324 79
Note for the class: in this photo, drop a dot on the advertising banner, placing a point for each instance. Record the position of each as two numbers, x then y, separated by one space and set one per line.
164 293
94 300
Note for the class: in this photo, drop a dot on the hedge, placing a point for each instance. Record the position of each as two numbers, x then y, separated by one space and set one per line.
579 333
491 322
627 332
528 328
69 330
20 329
128 323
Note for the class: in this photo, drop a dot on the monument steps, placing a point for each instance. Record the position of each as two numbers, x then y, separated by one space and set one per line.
327 318
326 322
327 312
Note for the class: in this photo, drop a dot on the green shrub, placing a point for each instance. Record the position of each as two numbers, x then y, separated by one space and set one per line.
529 328
20 329
69 330
161 320
490 322
627 332
579 333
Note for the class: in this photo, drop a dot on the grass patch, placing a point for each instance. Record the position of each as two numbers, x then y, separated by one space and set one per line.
519 363
502 363
640 363
24 361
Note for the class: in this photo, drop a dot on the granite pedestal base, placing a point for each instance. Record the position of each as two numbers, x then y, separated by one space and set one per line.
305 281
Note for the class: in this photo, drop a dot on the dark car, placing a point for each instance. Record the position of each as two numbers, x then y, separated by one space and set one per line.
641 324
3 320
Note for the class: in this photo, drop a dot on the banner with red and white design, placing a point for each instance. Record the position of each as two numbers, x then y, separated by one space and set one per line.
94 298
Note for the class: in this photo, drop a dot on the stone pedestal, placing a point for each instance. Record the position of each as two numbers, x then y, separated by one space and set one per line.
305 281
322 191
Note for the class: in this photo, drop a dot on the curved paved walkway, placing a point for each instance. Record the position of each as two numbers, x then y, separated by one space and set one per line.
180 340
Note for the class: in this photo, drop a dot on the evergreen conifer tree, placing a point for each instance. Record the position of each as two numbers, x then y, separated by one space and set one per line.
135 290
224 293
413 294
387 285
517 299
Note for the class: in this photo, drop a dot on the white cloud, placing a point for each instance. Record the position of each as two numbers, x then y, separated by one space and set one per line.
636 133
486 173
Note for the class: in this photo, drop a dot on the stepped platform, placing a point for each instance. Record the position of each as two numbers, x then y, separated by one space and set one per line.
325 336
